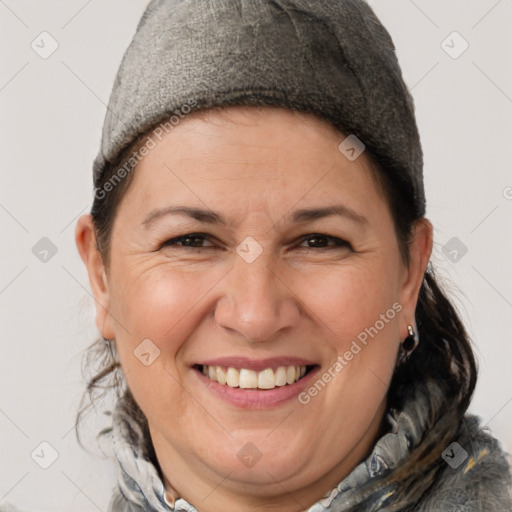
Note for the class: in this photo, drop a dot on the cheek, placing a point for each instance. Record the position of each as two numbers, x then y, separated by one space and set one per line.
159 304
163 304
348 300
156 311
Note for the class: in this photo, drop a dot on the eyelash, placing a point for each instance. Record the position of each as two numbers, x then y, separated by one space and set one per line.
339 243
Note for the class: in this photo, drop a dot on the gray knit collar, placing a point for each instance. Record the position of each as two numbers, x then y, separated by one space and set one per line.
140 483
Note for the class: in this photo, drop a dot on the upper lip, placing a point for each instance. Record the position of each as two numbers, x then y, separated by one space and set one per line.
257 364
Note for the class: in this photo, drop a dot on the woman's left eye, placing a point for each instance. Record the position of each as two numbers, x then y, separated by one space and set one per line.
321 241
314 240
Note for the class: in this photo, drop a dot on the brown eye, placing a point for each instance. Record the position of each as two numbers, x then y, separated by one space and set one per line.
317 240
194 240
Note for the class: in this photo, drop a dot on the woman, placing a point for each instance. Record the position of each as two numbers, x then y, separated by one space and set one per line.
259 256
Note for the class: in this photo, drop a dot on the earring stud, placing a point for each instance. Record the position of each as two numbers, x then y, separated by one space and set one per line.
411 342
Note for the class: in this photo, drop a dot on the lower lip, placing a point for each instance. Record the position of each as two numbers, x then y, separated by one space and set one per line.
256 398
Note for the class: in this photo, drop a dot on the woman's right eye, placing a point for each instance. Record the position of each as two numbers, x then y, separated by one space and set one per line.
189 240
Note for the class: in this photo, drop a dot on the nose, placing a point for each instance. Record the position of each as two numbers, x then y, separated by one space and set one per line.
257 302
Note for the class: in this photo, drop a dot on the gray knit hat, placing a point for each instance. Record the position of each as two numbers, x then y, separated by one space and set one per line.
332 58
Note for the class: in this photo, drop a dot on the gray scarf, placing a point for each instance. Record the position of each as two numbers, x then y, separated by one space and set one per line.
478 484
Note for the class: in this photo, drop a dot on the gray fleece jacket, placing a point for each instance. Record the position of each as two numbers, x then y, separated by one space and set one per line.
473 474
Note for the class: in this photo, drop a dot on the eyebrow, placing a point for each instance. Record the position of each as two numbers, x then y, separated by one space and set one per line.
211 217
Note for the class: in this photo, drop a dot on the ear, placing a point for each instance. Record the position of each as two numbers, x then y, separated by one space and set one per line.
420 250
85 240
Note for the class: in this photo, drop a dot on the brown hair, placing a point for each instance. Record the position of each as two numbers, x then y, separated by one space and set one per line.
444 356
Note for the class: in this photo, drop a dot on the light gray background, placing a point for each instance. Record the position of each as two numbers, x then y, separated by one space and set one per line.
52 111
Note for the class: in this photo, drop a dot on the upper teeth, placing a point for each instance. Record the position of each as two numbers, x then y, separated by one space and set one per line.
250 379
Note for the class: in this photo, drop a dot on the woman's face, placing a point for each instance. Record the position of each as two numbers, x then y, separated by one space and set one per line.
290 260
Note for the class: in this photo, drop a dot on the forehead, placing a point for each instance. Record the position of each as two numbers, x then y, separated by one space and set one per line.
249 155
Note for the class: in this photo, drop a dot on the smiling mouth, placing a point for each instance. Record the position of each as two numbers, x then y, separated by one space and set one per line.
244 378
